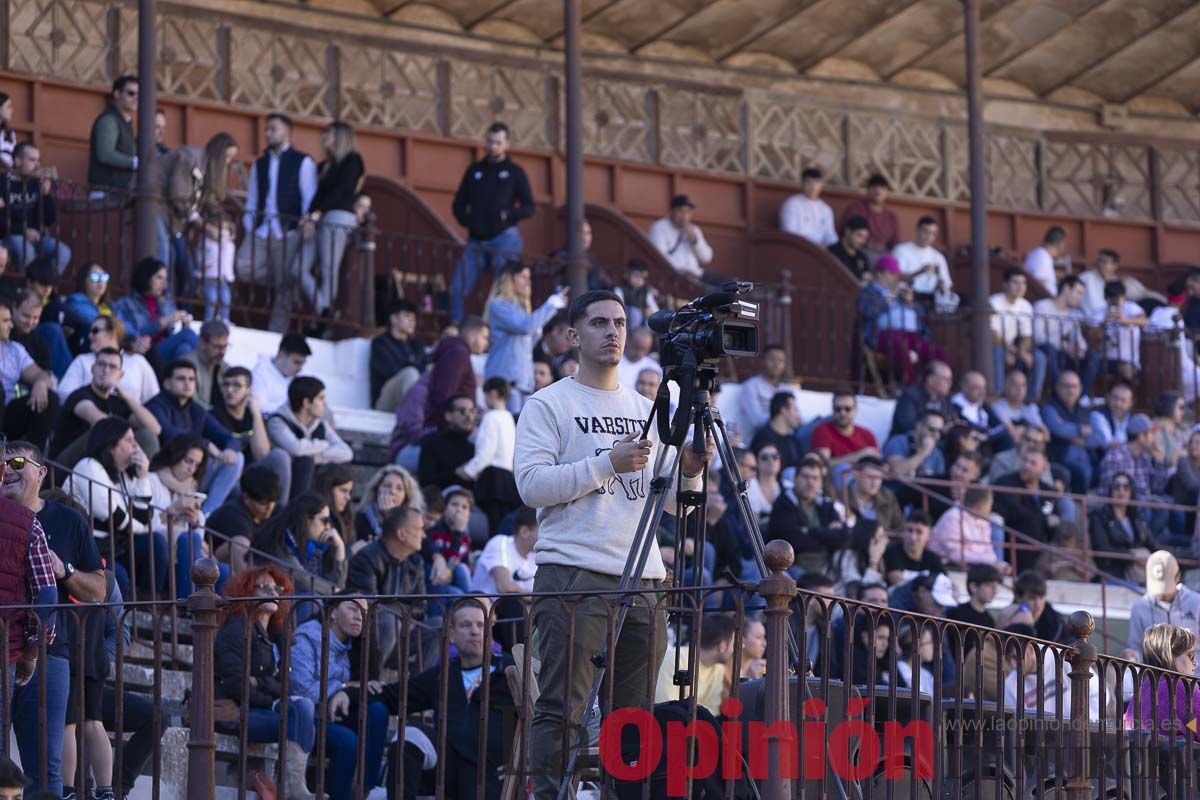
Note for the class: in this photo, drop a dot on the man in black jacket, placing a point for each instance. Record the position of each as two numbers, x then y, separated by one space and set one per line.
29 211
467 689
1033 514
392 565
810 522
931 394
398 357
493 196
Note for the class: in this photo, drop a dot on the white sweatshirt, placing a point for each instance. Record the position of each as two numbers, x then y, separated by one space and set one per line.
587 514
494 443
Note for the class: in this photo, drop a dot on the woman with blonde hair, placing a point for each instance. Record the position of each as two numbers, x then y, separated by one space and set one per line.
515 328
217 247
331 219
1167 647
392 486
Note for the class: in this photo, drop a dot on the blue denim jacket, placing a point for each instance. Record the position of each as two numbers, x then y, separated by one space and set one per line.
513 333
306 662
133 312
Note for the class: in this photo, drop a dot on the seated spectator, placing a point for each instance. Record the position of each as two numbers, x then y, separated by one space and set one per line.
451 373
302 538
916 649
1058 339
869 661
883 225
391 565
1069 427
462 711
911 556
334 483
30 211
638 347
150 315
1166 599
175 475
764 488
1123 325
507 566
849 249
543 375
1039 264
301 430
917 454
971 406
757 390
137 379
780 429
555 340
1046 687
344 696
89 301
806 215
240 414
963 535
860 561
1171 648
1031 514
1029 590
648 382
922 263
240 517
1139 458
868 501
636 293
443 452
983 580
390 487
1108 262
1110 422
841 441
965 470
398 357
448 564
1170 432
34 325
178 414
515 326
813 524
30 406
272 375
900 328
1013 409
1117 527
1185 484
680 240
1012 327
715 652
597 276
933 392
116 468
261 719
491 468
209 359
754 648
101 398
870 592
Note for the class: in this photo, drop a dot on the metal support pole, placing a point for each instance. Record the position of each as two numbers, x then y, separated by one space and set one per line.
577 266
980 327
202 743
145 208
778 589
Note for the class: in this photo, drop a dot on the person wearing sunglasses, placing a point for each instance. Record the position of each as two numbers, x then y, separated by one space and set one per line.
112 155
88 301
918 453
1118 527
138 378
302 538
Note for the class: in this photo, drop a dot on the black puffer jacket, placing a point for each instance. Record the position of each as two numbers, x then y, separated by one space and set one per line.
229 664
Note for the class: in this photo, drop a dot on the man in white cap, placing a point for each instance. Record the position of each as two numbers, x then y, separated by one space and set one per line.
1166 600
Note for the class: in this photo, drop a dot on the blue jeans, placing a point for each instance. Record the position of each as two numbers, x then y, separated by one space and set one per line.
1049 362
177 345
217 297
460 584
478 257
57 673
22 251
60 351
219 481
341 742
262 724
1079 462
188 547
142 544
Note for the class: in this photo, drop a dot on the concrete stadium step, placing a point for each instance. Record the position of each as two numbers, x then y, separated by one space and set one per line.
174 684
143 623
140 652
175 760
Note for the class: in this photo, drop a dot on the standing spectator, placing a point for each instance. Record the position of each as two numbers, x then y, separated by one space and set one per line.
262 717
178 413
301 536
79 573
491 468
1122 333
911 556
280 190
112 151
807 520
1039 264
443 452
884 227
1070 429
850 248
1031 513
492 197
1110 423
1058 339
757 391
680 240
1117 527
216 252
1140 457
181 182
209 360
398 357
390 487
241 415
8 137
1012 327
331 219
30 211
301 430
923 263
452 373
89 301
1166 600
638 347
515 327
932 393
30 407
242 515
272 376
636 293
342 695
780 429
806 215
150 316
1094 280
160 133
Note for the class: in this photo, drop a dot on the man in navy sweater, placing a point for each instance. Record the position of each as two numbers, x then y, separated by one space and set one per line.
493 196
179 414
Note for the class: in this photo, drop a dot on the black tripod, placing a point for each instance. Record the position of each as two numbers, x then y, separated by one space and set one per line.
696 382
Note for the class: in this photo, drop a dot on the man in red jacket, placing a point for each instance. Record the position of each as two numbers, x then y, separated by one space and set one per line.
452 373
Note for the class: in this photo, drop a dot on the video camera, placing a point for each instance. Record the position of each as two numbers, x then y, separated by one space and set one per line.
715 325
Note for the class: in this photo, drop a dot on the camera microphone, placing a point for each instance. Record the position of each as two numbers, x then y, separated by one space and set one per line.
714 300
